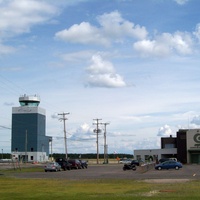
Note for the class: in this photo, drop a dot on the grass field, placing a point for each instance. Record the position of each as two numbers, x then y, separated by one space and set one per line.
41 189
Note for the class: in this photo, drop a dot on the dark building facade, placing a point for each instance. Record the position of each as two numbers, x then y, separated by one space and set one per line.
168 142
29 140
182 146
189 145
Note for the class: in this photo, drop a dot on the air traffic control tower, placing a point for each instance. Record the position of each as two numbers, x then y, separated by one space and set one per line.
29 140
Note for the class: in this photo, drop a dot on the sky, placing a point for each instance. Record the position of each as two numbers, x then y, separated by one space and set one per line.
133 64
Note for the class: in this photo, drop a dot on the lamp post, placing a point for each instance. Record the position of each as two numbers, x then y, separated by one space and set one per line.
2 153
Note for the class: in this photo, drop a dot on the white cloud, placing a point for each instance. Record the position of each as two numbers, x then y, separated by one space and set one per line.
100 66
84 132
120 27
85 33
151 48
165 131
165 45
181 2
101 73
17 17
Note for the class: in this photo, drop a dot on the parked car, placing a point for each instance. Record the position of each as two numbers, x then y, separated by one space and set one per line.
135 162
75 163
84 164
52 166
125 161
170 164
65 165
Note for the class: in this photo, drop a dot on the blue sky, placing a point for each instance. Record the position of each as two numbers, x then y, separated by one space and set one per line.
134 64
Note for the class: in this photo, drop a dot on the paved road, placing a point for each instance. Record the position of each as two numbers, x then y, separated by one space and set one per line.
115 172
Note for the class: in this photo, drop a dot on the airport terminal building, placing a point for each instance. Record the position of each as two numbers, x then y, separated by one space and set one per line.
29 140
185 147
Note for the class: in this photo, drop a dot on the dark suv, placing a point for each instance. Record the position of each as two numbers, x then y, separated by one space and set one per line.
65 165
75 163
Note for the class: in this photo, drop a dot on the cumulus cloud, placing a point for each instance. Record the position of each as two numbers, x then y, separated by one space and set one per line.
120 27
164 131
101 73
85 33
165 44
84 132
17 17
181 2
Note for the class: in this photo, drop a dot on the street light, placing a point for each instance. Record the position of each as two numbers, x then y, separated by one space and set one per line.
2 153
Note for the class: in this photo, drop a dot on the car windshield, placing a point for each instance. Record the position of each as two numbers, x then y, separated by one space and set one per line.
51 164
168 162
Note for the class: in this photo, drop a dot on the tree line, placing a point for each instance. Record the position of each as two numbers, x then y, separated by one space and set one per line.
90 156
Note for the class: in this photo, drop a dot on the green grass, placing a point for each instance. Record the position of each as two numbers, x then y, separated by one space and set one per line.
13 188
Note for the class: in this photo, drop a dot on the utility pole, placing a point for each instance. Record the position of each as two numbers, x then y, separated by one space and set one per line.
63 118
97 130
105 145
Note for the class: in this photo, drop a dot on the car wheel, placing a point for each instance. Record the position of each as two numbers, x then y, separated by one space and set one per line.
45 170
177 168
159 168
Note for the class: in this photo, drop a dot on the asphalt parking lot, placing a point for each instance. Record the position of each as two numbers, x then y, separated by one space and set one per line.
115 171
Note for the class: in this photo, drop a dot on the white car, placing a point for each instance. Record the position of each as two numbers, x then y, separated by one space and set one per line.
125 161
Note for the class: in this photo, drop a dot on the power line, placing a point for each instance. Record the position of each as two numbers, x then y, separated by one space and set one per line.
63 118
5 127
